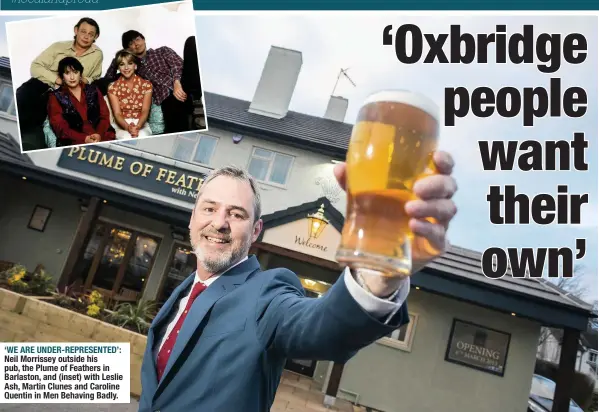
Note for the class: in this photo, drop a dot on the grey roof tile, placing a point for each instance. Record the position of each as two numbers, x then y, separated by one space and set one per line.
466 264
300 127
10 149
4 62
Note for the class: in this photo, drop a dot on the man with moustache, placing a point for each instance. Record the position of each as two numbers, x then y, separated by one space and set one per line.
32 96
220 341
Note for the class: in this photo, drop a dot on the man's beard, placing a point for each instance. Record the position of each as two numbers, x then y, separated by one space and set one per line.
224 260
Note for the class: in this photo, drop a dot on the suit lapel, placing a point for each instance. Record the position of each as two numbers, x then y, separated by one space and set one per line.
166 309
227 282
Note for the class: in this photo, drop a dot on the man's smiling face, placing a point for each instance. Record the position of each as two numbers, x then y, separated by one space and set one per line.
222 227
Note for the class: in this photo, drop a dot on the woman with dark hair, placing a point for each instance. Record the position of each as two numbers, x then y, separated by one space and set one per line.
130 99
77 112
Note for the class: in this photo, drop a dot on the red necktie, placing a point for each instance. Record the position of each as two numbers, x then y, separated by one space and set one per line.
169 344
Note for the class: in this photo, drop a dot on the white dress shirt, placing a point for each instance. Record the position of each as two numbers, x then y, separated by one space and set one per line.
375 306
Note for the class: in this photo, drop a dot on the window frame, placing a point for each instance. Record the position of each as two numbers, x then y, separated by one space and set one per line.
164 275
3 84
270 166
406 344
196 139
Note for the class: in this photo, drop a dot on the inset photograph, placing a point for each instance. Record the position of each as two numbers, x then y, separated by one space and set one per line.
106 76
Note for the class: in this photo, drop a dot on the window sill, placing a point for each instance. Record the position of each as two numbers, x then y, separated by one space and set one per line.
7 116
395 344
271 184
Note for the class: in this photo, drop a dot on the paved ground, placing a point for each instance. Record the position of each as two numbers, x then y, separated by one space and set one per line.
296 394
71 407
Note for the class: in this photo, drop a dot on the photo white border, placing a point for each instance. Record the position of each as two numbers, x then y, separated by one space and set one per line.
91 13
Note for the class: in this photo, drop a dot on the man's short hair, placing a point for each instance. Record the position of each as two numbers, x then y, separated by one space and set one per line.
129 36
239 174
91 22
69 63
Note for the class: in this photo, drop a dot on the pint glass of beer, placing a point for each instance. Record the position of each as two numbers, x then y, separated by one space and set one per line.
392 145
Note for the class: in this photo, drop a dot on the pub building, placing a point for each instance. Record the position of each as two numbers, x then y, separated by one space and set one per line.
114 217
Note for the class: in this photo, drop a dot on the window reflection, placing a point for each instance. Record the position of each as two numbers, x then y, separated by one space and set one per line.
85 262
117 259
182 265
111 260
138 267
314 288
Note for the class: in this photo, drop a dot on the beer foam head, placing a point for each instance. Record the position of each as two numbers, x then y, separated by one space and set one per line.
405 97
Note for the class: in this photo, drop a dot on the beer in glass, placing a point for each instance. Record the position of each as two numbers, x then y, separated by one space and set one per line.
391 147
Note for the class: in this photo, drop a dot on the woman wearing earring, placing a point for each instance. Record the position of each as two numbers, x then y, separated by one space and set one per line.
77 112
130 99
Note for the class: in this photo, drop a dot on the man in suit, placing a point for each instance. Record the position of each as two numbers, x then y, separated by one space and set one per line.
220 341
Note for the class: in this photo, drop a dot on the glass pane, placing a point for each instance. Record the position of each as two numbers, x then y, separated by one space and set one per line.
399 334
183 148
480 338
205 149
111 259
280 169
6 98
542 387
183 264
138 268
258 168
267 154
85 262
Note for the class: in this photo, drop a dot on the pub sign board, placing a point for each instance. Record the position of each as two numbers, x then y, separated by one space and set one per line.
478 347
134 171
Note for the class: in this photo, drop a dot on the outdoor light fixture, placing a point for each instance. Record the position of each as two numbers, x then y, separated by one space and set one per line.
317 223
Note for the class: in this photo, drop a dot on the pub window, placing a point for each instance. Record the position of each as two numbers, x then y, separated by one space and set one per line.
129 142
593 357
403 337
197 149
7 101
269 166
116 262
182 264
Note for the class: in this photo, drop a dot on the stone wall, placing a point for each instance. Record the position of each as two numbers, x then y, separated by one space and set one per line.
26 319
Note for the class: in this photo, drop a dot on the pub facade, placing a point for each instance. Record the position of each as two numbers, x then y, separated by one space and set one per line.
114 218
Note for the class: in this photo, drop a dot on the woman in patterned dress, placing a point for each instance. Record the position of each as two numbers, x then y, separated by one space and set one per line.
130 99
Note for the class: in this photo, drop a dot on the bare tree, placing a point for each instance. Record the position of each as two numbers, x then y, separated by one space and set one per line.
593 320
573 286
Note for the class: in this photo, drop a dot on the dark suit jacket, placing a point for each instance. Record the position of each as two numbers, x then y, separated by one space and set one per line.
230 353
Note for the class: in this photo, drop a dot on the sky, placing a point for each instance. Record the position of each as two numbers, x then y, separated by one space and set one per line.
233 50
